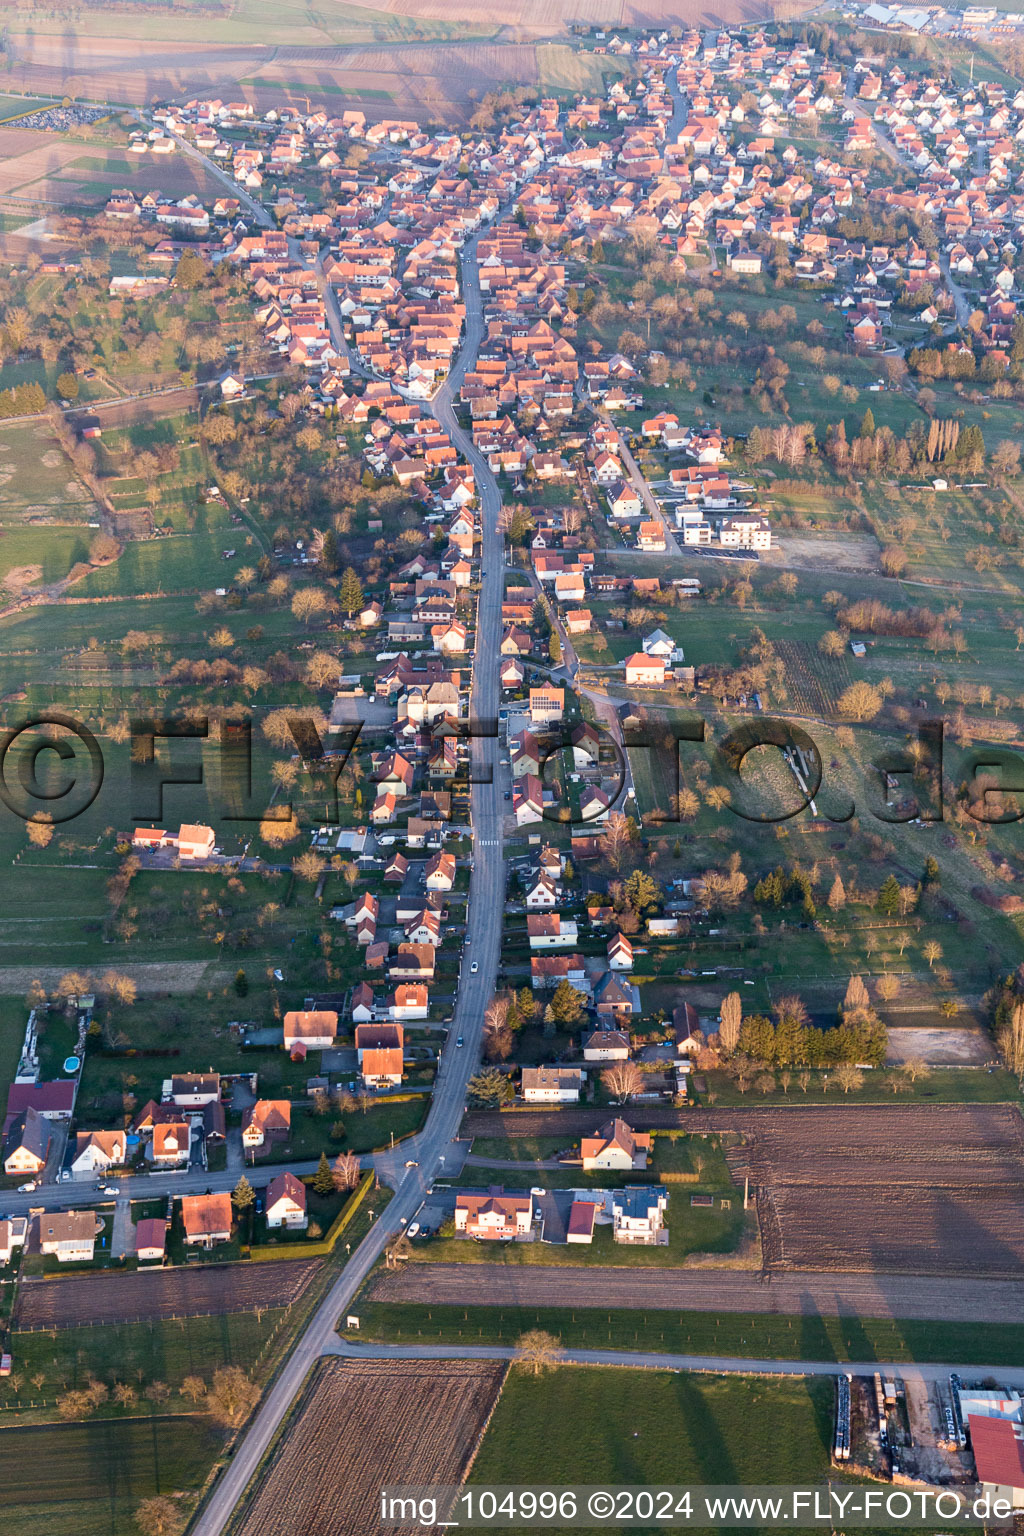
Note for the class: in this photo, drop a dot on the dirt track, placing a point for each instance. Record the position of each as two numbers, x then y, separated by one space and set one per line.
706 1290
74 1300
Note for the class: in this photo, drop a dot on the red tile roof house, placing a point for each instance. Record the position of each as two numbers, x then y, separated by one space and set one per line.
266 1122
96 1151
206 1219
615 1146
315 1030
286 1202
54 1101
171 1143
580 1226
151 1240
998 1446
495 1216
380 1049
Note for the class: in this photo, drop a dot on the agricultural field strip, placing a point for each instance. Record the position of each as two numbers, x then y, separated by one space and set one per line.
705 1289
75 1301
405 1422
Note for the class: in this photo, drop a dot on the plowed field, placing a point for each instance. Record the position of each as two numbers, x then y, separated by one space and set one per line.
364 1425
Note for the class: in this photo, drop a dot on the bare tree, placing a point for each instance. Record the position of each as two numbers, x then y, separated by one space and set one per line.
160 1516
856 995
730 1022
623 1079
231 1396
539 1351
346 1171
848 1076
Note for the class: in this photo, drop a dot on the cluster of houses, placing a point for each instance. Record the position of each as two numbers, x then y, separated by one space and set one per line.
635 1213
168 1135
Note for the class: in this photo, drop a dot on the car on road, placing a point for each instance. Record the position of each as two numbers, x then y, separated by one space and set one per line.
474 967
411 1163
460 1042
26 1189
110 1189
508 794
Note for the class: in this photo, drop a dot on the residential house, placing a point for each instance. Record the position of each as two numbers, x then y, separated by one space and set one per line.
69 1236
552 1085
206 1219
195 842
151 1240
527 800
192 1090
644 671
53 1101
616 1146
266 1122
380 1049
549 930
96 1151
580 1226
495 1216
606 1045
616 998
547 705
541 895
362 1003
27 1144
620 953
638 1214
316 1030
286 1203
440 872
172 1144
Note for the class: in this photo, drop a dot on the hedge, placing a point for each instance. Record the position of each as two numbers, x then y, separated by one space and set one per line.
265 1253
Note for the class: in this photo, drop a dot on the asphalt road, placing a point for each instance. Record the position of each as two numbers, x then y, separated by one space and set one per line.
717 1364
486 903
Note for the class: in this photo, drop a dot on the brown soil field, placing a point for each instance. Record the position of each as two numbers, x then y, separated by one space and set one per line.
28 156
909 1188
400 1422
919 1190
75 1300
802 1293
423 77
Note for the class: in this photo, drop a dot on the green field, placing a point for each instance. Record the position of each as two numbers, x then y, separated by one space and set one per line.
614 1427
17 106
744 1335
142 1354
90 1478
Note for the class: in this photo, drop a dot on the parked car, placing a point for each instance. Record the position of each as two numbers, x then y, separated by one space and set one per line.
26 1189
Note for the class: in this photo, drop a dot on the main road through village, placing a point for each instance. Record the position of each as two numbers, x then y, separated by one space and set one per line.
483 938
